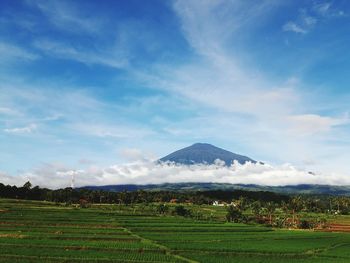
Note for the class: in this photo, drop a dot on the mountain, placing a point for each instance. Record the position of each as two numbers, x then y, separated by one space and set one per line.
181 187
204 153
207 153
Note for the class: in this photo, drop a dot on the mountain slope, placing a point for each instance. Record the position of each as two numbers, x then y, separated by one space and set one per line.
181 187
204 153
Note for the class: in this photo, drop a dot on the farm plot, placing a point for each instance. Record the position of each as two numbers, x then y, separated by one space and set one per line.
227 242
42 232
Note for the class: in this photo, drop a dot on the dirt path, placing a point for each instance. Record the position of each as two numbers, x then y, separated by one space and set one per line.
167 250
344 228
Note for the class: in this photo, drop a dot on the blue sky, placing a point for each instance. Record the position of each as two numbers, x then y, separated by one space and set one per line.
96 83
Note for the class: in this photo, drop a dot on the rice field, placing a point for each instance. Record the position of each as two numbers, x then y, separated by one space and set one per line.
46 232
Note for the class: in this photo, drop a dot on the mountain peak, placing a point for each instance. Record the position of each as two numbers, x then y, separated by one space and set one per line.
201 144
204 153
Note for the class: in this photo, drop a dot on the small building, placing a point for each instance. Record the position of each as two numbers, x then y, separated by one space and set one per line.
217 203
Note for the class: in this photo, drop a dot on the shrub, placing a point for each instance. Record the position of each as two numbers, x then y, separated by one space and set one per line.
306 224
180 210
162 209
234 215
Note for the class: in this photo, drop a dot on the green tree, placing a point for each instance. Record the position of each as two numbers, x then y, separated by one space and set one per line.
180 210
27 185
162 209
234 214
270 208
295 205
256 208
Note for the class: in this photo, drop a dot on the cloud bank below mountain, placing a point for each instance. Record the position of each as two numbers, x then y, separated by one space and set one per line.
149 172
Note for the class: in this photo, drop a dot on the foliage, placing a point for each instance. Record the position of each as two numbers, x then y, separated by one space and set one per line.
162 209
180 210
260 207
234 214
35 231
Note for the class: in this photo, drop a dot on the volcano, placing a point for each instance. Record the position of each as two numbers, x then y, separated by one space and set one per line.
204 153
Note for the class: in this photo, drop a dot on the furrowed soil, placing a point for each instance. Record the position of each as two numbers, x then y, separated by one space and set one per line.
46 232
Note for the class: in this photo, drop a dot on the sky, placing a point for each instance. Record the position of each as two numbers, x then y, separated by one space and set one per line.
100 89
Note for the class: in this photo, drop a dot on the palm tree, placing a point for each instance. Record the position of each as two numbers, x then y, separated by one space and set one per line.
295 205
256 209
234 214
270 208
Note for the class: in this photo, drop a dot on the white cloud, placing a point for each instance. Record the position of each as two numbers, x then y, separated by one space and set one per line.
146 172
132 154
21 130
327 9
303 24
11 180
8 111
110 58
86 161
10 52
71 120
104 130
68 17
293 27
233 102
322 8
272 118
207 25
309 20
309 124
218 78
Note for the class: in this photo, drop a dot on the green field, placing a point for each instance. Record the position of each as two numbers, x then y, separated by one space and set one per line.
33 231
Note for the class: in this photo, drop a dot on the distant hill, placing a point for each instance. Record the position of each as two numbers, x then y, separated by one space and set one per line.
289 189
204 153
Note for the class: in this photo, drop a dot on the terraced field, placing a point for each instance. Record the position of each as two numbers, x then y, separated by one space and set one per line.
43 232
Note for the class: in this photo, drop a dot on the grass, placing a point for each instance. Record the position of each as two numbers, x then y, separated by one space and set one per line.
33 231
43 232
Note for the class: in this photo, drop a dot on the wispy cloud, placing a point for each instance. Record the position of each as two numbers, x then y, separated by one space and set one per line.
68 17
86 56
309 124
222 86
204 22
322 8
326 9
237 99
12 52
8 111
303 24
72 119
307 18
22 130
217 78
292 26
104 130
134 154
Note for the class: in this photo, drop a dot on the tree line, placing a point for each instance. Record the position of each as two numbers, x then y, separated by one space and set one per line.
262 207
27 191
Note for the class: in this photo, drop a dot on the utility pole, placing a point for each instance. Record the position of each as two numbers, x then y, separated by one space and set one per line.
72 180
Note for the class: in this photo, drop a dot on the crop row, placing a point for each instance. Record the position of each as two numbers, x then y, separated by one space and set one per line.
86 254
215 257
61 230
92 243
